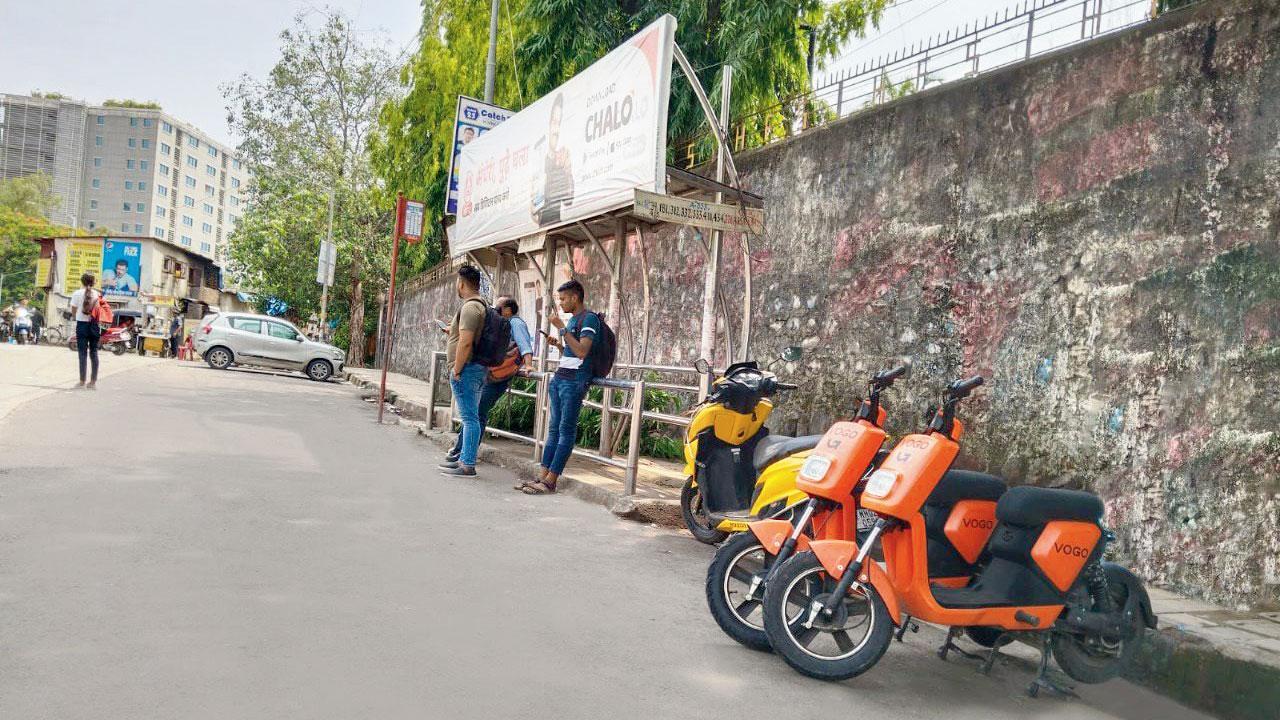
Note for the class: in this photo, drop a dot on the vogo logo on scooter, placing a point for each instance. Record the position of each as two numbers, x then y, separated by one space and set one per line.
1072 550
980 523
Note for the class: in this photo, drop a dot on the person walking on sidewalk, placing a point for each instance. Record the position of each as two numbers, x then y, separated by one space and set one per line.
83 302
466 377
495 388
569 386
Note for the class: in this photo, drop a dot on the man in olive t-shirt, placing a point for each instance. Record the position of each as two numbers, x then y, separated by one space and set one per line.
466 377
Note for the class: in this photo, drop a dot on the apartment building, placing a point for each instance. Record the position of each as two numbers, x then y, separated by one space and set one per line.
45 135
143 172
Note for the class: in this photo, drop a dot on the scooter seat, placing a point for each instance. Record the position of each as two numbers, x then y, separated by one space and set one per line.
957 485
1030 506
771 448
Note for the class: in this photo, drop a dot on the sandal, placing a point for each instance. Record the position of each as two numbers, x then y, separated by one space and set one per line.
541 487
524 483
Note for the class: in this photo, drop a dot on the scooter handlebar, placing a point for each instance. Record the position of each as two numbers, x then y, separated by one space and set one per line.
888 376
962 388
787 386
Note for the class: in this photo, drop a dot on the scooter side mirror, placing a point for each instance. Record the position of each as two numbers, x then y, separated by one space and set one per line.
702 366
792 353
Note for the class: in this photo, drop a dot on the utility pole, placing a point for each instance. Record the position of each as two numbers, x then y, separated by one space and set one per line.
707 343
324 287
491 64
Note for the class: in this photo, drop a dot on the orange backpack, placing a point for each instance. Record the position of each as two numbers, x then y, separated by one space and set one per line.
102 311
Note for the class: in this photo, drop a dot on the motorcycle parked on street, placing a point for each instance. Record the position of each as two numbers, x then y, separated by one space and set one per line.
737 471
959 516
831 612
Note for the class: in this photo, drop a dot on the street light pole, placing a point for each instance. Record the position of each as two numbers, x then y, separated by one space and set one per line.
324 287
491 64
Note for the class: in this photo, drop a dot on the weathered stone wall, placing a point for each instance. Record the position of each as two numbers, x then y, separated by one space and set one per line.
1096 231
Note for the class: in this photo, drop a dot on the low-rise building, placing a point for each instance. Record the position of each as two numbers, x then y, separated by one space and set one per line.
136 273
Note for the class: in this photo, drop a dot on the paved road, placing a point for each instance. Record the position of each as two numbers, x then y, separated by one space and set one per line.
31 371
186 543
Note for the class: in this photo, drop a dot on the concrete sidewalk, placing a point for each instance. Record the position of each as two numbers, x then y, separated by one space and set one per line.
658 482
1223 661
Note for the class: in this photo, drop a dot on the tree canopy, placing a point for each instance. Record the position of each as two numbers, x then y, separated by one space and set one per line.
542 43
306 129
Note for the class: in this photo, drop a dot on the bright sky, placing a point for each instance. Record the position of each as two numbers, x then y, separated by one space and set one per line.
178 52
175 52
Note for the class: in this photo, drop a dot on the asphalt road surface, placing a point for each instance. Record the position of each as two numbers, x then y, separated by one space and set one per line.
187 543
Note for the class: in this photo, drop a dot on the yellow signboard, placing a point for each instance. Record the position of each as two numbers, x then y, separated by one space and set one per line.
82 257
44 272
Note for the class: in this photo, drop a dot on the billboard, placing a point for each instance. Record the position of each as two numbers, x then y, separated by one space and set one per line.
82 257
121 268
580 150
474 118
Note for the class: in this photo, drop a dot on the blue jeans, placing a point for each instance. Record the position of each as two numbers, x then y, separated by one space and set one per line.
489 396
466 393
566 398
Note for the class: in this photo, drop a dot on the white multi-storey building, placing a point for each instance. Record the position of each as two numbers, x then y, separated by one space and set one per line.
141 172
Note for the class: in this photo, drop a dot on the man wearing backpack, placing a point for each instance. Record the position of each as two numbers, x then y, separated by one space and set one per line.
466 376
569 386
498 379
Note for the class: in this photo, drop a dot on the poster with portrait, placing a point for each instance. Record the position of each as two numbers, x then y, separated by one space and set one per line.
121 268
582 149
474 118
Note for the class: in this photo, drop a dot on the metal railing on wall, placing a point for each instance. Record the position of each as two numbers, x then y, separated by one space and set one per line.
632 410
1020 32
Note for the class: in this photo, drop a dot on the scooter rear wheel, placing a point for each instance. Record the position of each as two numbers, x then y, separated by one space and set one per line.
846 644
1095 658
695 517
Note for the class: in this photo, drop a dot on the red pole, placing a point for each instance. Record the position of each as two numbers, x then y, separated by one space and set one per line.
391 304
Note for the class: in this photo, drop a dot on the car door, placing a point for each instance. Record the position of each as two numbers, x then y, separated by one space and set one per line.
283 348
244 336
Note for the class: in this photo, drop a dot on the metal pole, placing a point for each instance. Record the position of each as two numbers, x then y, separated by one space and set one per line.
391 303
432 375
491 64
617 253
633 445
324 292
707 343
1031 26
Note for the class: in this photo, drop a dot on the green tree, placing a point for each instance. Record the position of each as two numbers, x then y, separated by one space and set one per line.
137 104
413 148
765 41
306 129
30 195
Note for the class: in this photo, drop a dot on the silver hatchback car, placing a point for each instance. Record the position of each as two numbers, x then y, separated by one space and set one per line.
228 339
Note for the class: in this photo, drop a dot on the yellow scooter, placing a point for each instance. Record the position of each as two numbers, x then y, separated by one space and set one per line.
739 472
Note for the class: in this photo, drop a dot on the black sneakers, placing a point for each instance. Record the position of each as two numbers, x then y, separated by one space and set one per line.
457 469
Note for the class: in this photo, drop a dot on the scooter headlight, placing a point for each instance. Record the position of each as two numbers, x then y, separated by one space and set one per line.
881 483
815 467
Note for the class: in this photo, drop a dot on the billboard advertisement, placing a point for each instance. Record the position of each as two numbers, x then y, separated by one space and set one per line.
82 257
121 268
474 118
580 150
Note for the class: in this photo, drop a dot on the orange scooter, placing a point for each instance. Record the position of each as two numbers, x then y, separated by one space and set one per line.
831 612
959 516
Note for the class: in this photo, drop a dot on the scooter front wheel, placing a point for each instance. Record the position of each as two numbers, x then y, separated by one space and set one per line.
838 645
735 590
695 516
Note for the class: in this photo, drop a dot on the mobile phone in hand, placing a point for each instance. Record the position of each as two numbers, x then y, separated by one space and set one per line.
442 325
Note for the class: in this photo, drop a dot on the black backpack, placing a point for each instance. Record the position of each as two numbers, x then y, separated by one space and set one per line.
604 349
492 342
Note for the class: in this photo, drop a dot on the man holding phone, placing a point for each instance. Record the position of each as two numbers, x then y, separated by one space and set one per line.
569 386
496 387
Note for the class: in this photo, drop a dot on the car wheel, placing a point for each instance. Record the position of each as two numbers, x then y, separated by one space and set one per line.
319 370
219 358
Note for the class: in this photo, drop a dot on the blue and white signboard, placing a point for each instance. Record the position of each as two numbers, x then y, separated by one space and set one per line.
121 268
475 118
